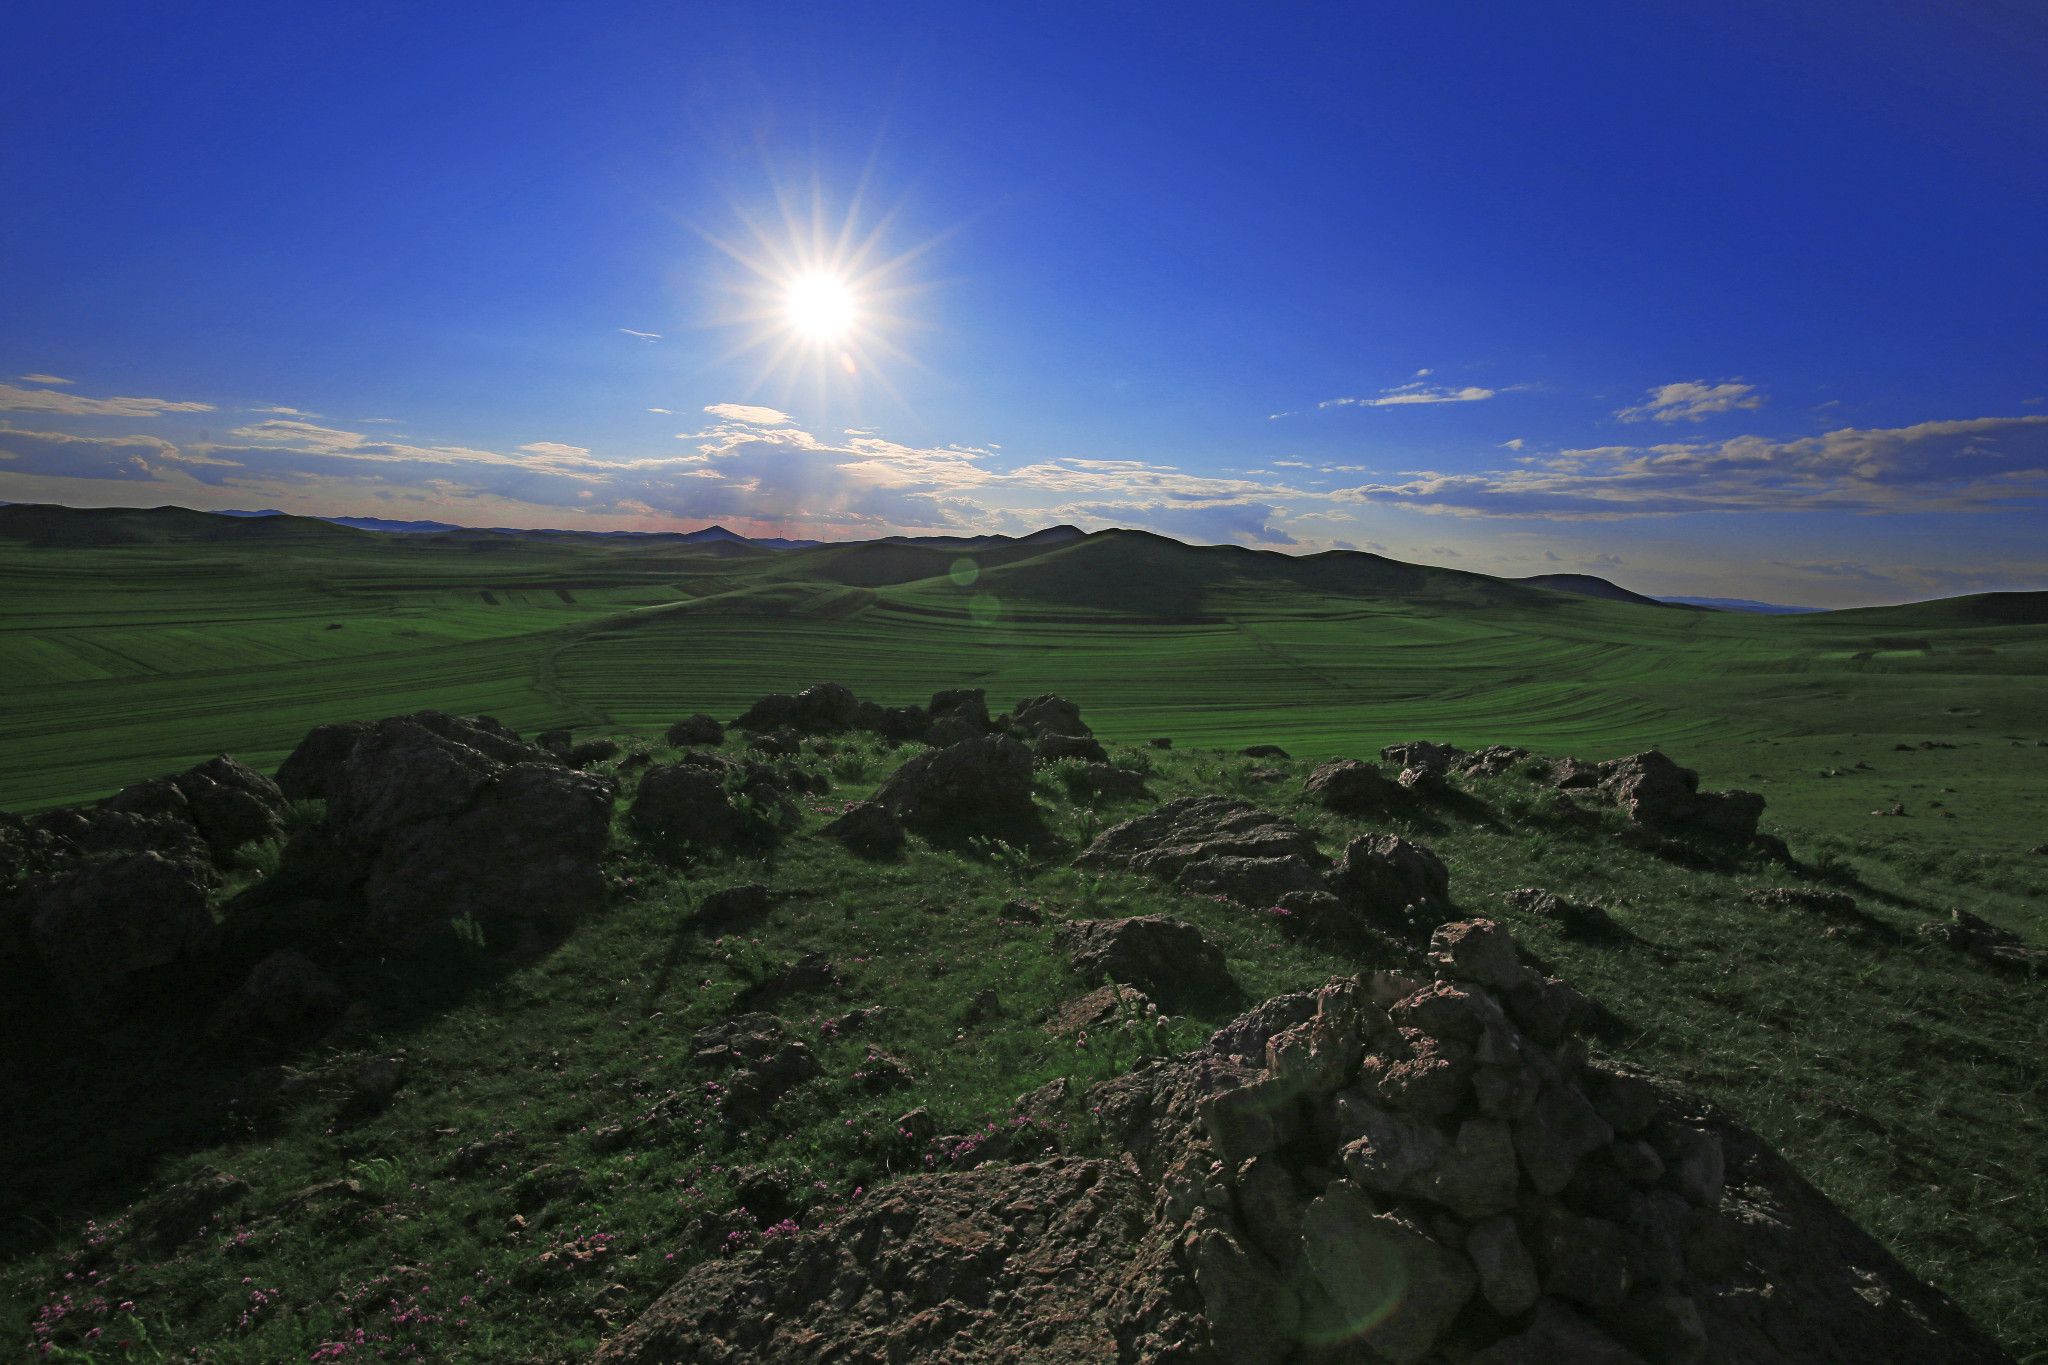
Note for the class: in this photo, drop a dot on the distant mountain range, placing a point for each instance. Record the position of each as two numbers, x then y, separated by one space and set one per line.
1152 573
391 527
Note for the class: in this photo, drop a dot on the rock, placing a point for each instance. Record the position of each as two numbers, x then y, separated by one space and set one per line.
763 1060
1386 1152
978 786
734 907
1381 1275
1569 774
1476 1176
1980 938
1269 1203
1251 1315
784 743
590 753
308 772
1573 917
374 1080
870 830
1697 1167
1166 958
964 709
1104 783
1559 1129
1263 751
104 924
999 1263
1396 884
285 993
1424 756
1584 1260
524 851
695 730
1052 748
692 804
1098 1009
1350 787
1833 903
1161 742
229 803
1214 845
1046 715
1557 1335
1663 1326
1479 951
1507 1277
1491 761
1659 795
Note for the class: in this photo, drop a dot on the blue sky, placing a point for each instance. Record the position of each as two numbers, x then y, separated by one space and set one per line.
1747 300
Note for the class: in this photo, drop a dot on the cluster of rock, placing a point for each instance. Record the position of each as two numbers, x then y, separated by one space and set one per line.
1658 795
1391 1168
1980 938
101 901
430 818
1382 888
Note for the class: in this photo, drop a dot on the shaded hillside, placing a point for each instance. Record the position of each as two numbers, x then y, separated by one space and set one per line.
50 526
1589 585
1984 608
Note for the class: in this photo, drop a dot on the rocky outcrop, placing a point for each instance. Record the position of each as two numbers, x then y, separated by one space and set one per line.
1166 958
1213 845
1351 787
705 802
1387 1169
869 830
1978 937
1397 885
1656 793
977 786
228 803
1047 714
432 818
695 730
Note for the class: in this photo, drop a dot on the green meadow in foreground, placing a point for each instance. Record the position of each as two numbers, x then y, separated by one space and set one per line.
490 1210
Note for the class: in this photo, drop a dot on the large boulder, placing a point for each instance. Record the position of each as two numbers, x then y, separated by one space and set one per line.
1659 795
706 802
693 730
1213 845
1166 958
1397 884
1049 715
979 786
432 818
1351 787
103 924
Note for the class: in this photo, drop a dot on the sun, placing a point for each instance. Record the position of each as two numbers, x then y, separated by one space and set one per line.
820 307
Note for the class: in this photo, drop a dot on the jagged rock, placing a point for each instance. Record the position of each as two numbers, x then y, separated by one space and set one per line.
978 786
1166 958
1659 795
1351 787
869 829
229 803
1102 782
1572 916
708 802
694 730
763 1060
1398 885
1214 845
999 1263
1507 1275
1423 755
1100 1008
432 818
1836 903
1052 747
1479 951
963 709
1561 1127
106 922
1046 715
1381 1276
1980 938
1491 761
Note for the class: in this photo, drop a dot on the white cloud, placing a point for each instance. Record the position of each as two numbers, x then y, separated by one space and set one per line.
666 412
644 336
78 405
1693 401
284 412
1986 464
749 414
555 448
1424 373
1515 444
42 379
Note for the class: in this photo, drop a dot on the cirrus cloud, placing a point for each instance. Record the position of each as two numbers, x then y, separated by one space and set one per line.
1693 400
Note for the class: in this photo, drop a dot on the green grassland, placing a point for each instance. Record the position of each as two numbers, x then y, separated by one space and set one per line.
1904 1079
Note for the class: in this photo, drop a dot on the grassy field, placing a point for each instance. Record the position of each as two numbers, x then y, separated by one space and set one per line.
1908 1082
